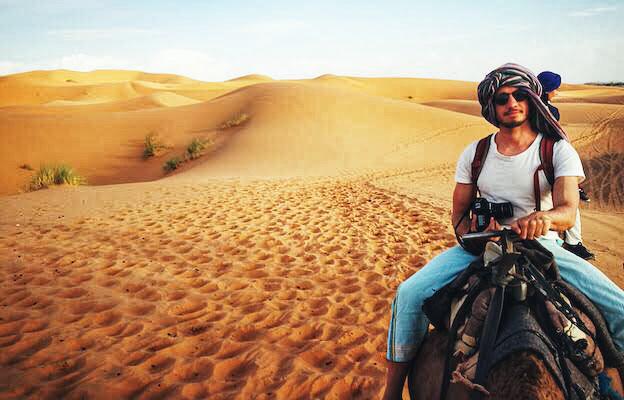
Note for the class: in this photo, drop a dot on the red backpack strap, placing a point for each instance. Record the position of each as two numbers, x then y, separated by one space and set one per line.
479 158
546 164
546 157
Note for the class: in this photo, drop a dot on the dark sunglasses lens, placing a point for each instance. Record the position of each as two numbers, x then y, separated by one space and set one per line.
520 95
501 99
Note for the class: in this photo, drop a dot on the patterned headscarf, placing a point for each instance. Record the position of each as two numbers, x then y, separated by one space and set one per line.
518 76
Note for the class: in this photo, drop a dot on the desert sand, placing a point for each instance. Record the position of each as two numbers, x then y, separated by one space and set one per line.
264 268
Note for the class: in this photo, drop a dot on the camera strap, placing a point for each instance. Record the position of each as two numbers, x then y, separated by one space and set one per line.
459 239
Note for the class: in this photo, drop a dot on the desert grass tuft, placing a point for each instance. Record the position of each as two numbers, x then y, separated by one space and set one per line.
172 164
153 146
236 120
49 175
195 148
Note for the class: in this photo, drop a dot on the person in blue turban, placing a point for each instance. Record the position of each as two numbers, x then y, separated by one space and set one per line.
550 83
573 240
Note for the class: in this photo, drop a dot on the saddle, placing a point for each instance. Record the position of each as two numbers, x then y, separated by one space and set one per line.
513 299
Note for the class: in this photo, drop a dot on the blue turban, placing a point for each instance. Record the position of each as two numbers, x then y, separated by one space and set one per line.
549 80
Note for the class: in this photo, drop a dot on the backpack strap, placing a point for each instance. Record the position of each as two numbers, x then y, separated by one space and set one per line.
546 157
547 144
475 170
479 158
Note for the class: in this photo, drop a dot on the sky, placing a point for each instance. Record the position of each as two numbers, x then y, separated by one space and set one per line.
215 40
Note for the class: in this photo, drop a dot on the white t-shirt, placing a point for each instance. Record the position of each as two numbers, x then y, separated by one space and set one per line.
510 178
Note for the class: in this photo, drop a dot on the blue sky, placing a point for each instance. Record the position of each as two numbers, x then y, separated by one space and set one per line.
219 40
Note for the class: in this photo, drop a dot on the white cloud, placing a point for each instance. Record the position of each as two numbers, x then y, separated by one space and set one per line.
95 34
11 67
590 12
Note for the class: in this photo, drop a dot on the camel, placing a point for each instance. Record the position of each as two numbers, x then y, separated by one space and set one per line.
520 376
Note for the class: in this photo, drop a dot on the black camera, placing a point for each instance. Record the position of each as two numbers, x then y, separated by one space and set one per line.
483 210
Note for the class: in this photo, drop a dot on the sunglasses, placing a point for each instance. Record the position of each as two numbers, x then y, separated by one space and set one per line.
502 98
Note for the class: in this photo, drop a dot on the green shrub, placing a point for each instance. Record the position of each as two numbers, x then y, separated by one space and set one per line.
153 146
49 175
172 164
194 149
236 120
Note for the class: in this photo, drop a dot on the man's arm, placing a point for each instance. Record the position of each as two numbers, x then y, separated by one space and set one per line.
561 217
462 198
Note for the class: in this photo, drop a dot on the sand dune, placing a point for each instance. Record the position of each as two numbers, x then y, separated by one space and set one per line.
592 94
252 77
157 99
40 87
470 107
301 129
30 93
407 89
263 269
63 77
284 137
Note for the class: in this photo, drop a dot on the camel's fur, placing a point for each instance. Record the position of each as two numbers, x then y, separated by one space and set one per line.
520 376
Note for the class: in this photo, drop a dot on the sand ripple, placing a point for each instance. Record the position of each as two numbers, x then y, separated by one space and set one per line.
270 289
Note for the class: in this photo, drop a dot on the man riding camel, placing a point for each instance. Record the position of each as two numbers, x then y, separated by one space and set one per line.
510 100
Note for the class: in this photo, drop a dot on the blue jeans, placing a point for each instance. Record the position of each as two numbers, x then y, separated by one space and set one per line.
408 324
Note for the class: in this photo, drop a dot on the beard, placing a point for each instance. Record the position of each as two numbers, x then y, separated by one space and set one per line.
513 124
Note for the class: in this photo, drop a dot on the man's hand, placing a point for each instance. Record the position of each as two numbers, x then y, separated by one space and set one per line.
532 226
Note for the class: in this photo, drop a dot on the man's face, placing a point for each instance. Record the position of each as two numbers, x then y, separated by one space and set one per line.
513 113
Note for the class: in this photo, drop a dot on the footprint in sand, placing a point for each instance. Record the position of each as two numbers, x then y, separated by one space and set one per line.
72 293
319 359
158 364
140 309
61 368
107 318
245 334
338 311
196 371
233 369
230 349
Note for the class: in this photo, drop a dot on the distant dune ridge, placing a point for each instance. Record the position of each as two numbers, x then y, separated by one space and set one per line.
96 121
323 126
264 265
